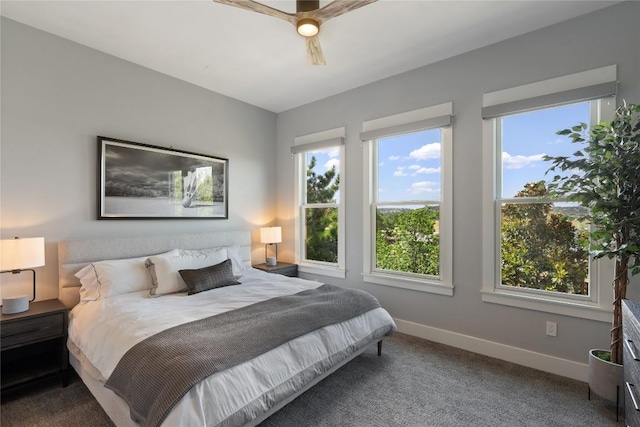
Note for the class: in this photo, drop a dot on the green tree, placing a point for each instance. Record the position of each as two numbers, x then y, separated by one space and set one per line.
321 188
542 249
176 191
605 180
407 241
322 222
218 187
205 190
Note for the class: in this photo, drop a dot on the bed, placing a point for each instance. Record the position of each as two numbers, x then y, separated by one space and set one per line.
268 357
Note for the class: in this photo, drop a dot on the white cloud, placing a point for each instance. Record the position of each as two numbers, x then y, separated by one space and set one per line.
416 169
427 170
394 158
519 162
400 172
332 152
429 151
424 187
333 162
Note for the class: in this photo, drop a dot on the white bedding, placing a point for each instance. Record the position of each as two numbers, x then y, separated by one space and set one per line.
104 330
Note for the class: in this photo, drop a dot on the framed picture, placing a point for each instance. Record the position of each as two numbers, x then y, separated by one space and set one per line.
140 181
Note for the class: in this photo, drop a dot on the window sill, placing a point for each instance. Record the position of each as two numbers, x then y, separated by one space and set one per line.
322 270
431 287
583 310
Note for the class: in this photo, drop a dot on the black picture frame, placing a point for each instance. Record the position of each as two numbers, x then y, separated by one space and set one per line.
142 181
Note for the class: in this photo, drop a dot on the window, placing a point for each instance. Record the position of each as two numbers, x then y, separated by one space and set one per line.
536 251
320 226
541 241
408 213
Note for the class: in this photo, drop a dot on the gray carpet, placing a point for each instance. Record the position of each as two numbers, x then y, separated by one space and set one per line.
415 383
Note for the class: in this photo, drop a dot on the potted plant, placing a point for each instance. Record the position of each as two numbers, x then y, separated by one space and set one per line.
607 182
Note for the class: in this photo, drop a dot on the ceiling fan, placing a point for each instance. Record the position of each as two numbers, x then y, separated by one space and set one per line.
307 19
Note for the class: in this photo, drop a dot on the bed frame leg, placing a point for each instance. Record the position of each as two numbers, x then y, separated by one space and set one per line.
379 348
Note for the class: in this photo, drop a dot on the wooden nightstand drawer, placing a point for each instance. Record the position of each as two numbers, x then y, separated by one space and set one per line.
28 330
290 271
283 268
33 344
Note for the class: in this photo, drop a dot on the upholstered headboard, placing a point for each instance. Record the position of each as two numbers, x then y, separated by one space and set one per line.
75 254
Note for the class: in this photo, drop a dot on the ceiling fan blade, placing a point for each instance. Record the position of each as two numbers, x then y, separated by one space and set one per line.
337 8
260 8
314 51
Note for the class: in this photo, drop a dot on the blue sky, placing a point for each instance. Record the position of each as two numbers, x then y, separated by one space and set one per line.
528 136
409 165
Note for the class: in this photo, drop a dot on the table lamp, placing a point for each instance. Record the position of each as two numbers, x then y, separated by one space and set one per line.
18 255
271 236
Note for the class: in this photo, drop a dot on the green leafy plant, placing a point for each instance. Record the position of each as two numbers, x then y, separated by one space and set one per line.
407 240
540 248
606 180
322 222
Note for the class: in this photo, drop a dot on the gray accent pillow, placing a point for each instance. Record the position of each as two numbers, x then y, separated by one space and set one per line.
214 276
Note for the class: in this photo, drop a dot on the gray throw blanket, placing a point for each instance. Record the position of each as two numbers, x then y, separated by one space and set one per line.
158 371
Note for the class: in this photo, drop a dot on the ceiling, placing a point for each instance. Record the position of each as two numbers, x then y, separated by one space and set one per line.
261 60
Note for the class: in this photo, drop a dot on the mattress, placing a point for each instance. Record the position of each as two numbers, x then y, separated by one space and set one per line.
101 332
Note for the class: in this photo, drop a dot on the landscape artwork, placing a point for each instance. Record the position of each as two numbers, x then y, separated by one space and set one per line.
140 181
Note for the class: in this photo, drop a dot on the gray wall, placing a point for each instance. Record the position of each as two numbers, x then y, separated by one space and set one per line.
57 96
603 38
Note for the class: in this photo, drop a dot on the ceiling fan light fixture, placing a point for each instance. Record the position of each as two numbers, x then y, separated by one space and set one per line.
307 19
308 27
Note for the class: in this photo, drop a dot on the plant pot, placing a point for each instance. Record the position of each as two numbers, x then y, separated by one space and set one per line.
604 376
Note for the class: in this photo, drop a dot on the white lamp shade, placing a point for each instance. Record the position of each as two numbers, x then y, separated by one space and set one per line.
270 235
19 254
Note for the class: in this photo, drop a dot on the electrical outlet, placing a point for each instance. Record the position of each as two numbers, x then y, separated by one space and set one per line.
552 329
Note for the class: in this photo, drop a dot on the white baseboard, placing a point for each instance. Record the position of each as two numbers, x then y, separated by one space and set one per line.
543 362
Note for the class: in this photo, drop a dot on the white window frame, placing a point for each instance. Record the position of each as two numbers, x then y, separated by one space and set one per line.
404 123
302 145
593 85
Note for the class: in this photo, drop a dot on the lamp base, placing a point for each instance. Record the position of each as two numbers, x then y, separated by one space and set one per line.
272 261
13 305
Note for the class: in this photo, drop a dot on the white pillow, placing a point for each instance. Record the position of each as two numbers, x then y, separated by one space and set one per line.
233 252
164 268
104 279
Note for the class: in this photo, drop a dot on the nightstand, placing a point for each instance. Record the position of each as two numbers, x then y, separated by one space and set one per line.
34 344
283 268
